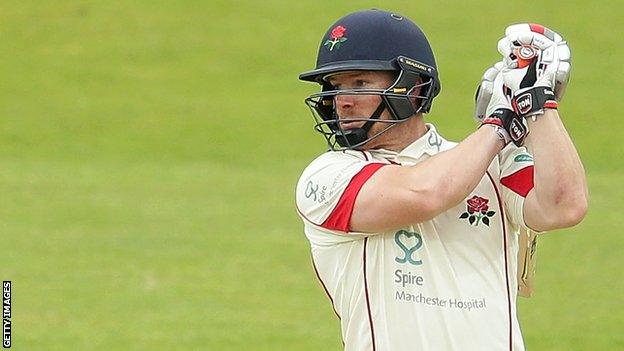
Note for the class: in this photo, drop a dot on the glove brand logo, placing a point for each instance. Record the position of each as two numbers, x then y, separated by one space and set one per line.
527 52
477 211
408 242
524 103
517 131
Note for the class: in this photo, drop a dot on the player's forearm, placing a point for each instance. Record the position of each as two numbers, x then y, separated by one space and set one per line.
450 176
559 177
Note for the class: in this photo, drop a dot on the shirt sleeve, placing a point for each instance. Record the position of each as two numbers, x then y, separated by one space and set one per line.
516 180
328 188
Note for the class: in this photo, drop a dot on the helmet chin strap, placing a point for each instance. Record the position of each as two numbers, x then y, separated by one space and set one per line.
354 136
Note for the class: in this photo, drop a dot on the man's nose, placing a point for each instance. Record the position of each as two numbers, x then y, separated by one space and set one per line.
344 102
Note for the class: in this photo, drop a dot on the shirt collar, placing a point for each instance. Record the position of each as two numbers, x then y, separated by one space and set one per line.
429 143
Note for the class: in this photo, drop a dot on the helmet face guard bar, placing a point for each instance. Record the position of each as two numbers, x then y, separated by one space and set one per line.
339 139
399 99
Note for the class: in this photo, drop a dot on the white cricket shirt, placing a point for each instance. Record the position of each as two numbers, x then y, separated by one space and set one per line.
444 284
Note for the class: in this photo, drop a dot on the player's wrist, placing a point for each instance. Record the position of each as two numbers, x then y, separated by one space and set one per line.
495 127
513 125
532 121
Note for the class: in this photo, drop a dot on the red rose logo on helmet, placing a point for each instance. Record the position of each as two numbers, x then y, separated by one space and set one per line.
477 211
338 32
336 37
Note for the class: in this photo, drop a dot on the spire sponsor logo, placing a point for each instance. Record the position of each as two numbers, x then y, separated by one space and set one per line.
407 278
409 243
441 302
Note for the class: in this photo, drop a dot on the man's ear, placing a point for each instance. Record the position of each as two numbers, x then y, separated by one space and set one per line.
415 93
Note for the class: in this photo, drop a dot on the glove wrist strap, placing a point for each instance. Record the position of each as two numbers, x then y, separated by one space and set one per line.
511 123
500 131
533 101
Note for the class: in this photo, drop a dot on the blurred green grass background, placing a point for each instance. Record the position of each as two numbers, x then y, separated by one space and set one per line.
149 152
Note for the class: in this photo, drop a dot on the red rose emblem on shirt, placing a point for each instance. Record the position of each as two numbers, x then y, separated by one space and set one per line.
338 32
477 211
477 204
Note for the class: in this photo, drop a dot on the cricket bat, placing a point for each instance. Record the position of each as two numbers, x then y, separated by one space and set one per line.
527 246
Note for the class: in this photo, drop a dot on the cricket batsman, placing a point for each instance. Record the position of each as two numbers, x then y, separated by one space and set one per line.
415 238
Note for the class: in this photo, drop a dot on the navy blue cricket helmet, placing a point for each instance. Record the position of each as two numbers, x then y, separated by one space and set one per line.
373 40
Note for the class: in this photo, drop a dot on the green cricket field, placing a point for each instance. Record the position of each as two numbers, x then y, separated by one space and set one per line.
149 152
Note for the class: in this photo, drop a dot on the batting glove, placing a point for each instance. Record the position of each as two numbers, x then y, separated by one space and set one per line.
536 67
499 113
484 91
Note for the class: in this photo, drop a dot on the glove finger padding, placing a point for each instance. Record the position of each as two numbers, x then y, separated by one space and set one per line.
499 99
531 93
534 28
524 43
500 113
484 91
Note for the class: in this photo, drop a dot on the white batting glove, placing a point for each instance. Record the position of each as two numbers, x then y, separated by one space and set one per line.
484 91
537 67
527 41
499 112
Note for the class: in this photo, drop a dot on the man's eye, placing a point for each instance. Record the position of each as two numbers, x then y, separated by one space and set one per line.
360 83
